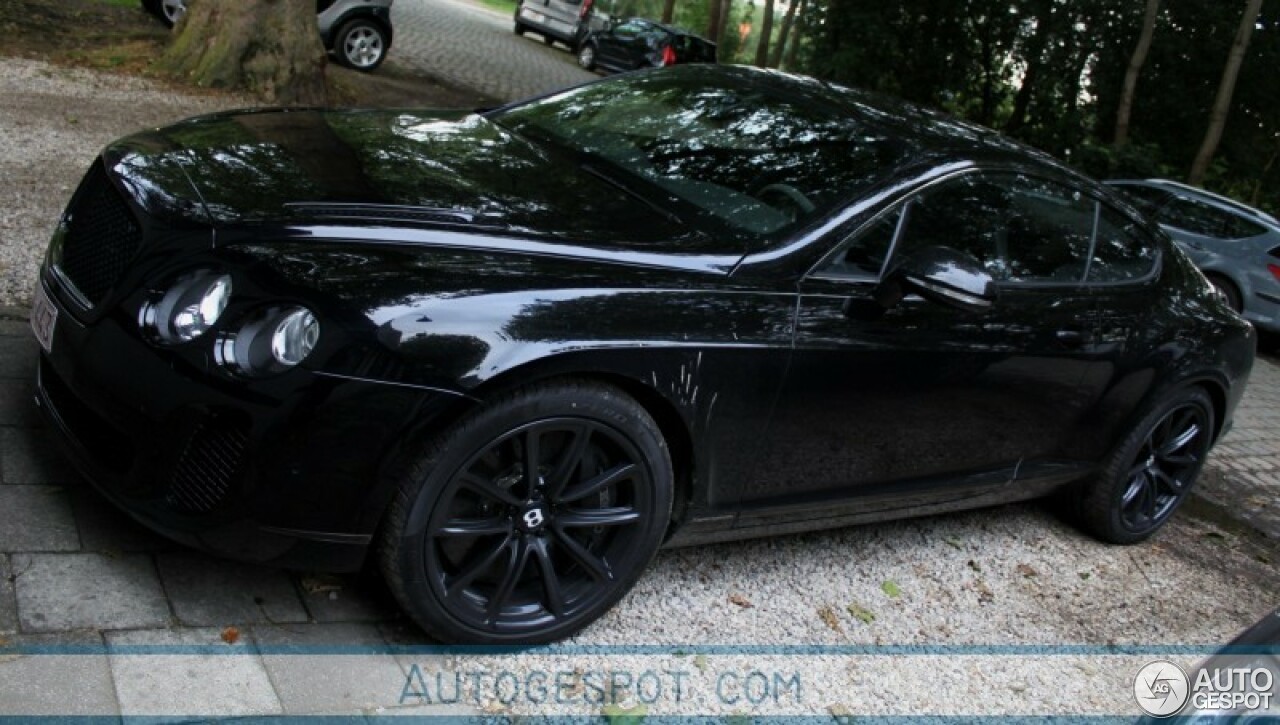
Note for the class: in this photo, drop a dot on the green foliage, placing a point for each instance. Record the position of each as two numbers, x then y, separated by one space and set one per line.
1049 72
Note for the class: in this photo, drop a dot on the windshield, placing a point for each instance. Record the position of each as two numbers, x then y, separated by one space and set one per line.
762 159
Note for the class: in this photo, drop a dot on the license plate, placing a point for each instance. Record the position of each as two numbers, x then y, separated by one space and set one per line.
44 315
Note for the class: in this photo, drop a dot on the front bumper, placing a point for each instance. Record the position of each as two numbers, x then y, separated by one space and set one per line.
297 474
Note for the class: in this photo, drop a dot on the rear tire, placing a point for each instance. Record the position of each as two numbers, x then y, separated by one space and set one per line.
531 517
519 28
361 44
1150 473
1228 290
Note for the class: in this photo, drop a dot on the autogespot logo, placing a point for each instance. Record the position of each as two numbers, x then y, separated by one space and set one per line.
1161 688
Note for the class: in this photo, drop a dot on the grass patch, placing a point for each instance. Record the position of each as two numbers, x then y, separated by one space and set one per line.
503 6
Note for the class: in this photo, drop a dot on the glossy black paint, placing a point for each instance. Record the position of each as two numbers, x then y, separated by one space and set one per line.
449 260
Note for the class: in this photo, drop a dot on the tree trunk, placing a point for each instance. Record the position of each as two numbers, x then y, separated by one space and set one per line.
668 10
1035 63
1222 104
793 49
766 30
726 10
787 21
267 47
1131 74
713 21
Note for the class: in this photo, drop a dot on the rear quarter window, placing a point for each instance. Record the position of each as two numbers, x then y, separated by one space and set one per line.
1123 250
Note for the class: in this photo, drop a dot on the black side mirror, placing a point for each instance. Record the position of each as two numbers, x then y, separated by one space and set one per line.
943 275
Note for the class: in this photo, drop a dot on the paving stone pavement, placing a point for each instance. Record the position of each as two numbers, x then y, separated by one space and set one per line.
468 45
75 571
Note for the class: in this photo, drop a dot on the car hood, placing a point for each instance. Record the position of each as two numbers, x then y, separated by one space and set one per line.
387 168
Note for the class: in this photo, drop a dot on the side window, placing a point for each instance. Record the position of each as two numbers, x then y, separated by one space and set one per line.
1147 199
863 256
1050 229
1021 229
966 214
1196 218
628 30
1123 250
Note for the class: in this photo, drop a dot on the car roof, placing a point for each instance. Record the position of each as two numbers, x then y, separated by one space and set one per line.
1222 202
668 28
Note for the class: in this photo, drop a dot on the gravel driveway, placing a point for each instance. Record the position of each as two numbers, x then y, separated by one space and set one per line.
1051 601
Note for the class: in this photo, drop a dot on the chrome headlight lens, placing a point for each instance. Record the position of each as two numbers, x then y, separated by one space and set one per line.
271 341
188 309
295 336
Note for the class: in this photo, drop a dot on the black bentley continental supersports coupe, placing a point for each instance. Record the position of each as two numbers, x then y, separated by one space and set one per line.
506 356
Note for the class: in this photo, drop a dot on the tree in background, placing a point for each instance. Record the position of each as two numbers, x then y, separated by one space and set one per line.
1131 73
766 33
1226 88
267 47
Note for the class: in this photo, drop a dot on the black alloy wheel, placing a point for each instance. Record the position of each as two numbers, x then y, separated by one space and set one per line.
1150 474
543 525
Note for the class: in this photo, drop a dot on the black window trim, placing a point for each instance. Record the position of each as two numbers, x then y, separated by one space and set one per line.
904 203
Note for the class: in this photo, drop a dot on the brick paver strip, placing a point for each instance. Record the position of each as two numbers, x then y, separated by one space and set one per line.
36 518
8 603
57 685
59 592
210 592
332 683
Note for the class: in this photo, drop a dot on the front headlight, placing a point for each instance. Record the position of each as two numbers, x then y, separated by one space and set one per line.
188 309
270 341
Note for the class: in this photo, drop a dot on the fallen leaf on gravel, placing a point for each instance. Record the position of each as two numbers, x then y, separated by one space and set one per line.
620 715
1026 570
985 595
830 618
974 565
955 544
1085 575
700 662
890 588
230 635
9 658
320 583
1214 536
741 601
866 616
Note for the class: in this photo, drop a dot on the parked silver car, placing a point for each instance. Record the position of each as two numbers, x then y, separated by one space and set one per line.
357 32
1236 246
568 21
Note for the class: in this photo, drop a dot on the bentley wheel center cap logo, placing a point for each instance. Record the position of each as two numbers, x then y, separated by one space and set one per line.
533 518
1161 688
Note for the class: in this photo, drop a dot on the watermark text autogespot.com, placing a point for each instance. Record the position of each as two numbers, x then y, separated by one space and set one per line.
428 685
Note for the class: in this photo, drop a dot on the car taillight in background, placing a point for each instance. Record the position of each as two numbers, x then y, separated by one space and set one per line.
1275 270
668 56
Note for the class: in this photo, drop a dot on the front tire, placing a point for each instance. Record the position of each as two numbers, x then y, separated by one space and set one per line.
1150 473
530 518
361 44
1228 290
587 57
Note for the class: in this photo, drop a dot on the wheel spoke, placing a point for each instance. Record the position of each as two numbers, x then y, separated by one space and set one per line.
1181 440
600 482
532 458
617 516
1149 498
1170 484
596 567
550 580
478 566
515 567
475 527
488 489
1136 482
1184 460
569 462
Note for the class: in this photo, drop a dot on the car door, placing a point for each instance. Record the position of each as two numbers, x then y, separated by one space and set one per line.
908 402
613 47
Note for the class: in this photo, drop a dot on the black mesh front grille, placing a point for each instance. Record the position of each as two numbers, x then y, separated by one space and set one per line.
209 465
102 238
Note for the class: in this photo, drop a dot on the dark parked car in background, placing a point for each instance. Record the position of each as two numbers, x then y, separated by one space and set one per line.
568 21
356 32
506 356
1236 246
639 43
